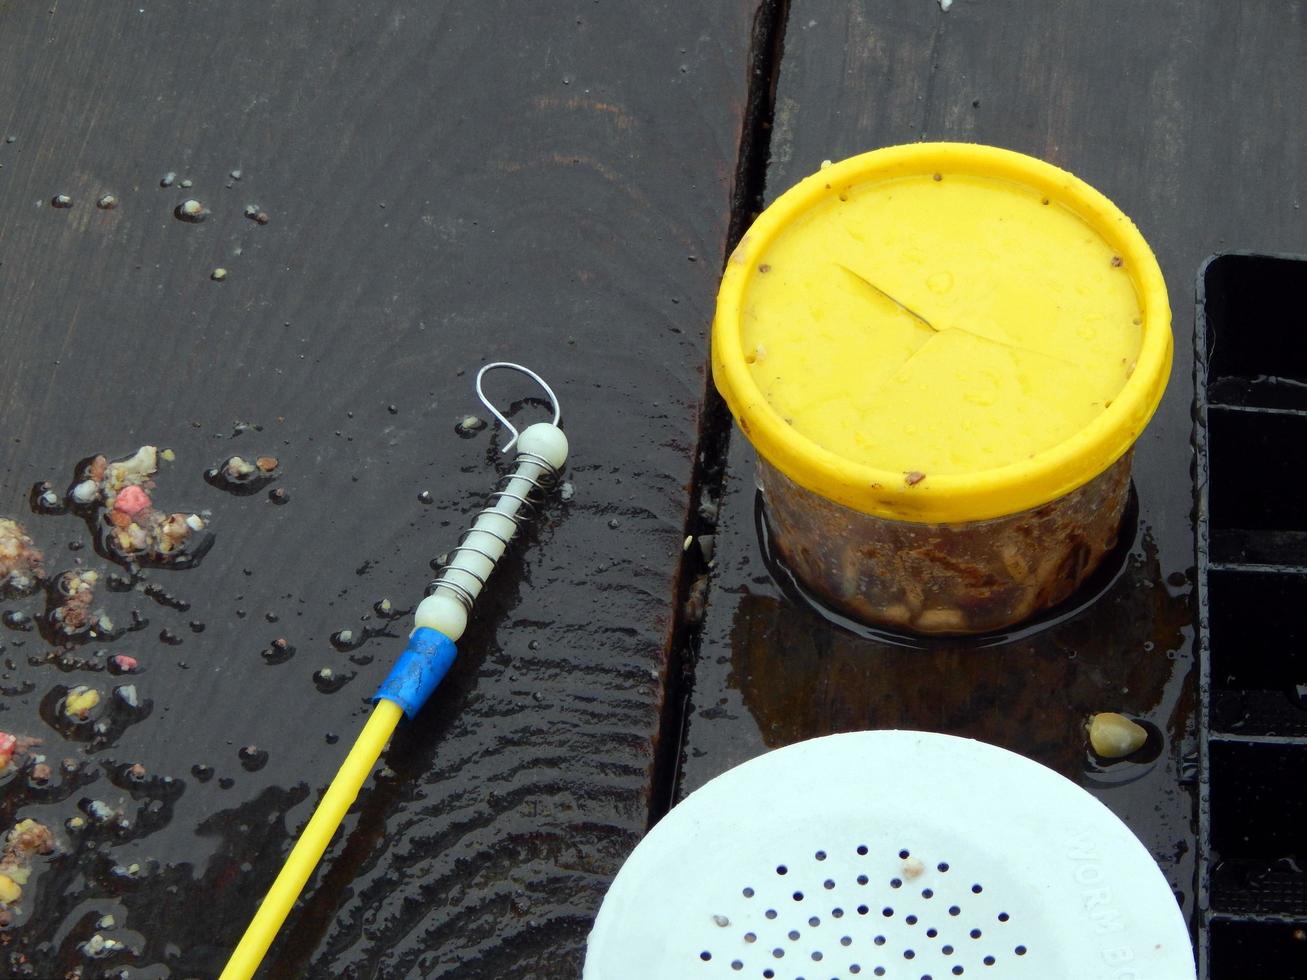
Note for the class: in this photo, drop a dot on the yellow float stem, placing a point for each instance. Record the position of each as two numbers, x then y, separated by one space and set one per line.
308 850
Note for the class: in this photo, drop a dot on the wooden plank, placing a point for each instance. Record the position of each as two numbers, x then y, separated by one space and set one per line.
447 184
1166 109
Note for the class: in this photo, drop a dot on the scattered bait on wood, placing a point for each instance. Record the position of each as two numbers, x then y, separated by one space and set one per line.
278 496
71 598
425 497
21 567
131 500
23 843
192 210
45 500
14 750
121 663
235 175
242 477
218 274
468 426
328 681
128 696
278 651
80 702
131 527
1114 736
913 478
186 183
107 202
167 179
61 201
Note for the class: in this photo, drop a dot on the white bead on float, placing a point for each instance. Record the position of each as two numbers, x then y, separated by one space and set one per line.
441 612
546 441
483 546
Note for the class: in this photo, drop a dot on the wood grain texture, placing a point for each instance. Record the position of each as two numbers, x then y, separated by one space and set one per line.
1169 109
447 184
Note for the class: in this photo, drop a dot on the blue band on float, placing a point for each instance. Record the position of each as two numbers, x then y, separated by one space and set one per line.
420 669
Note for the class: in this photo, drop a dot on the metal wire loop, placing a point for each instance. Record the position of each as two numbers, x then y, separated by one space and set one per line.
510 366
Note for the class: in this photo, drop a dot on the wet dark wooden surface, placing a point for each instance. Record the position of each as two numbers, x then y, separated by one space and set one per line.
1170 109
448 184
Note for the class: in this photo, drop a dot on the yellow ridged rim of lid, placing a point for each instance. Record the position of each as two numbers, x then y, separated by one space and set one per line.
957 497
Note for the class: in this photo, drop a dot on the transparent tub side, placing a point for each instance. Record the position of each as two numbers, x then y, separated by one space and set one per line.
945 578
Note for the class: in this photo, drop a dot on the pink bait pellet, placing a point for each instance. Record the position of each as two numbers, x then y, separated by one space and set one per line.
131 500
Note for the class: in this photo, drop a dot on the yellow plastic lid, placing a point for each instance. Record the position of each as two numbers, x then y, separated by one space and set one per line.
942 332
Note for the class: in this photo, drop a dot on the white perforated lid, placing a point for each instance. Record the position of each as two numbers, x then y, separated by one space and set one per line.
903 855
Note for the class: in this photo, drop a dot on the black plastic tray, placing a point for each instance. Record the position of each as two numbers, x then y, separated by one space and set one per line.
1251 441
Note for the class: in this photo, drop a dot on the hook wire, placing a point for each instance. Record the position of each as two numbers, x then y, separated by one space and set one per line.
509 366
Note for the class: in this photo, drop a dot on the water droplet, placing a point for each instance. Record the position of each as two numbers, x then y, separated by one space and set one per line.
202 773
331 738
393 410
253 758
226 782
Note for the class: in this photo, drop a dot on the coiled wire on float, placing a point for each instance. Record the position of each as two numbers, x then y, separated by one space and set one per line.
514 502
522 490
